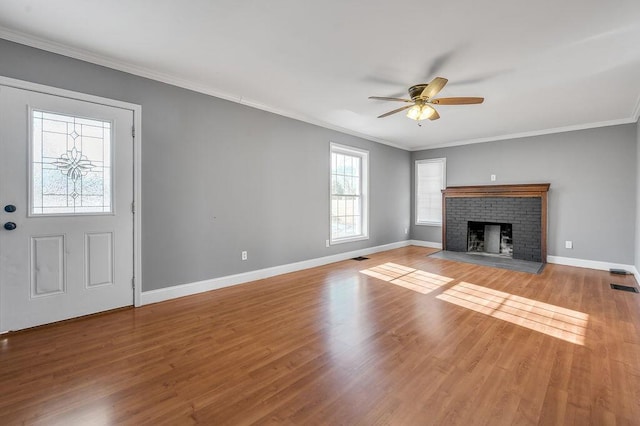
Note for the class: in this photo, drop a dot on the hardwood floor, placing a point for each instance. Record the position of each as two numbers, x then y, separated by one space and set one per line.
399 339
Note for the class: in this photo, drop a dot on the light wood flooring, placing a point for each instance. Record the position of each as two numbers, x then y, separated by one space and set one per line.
399 339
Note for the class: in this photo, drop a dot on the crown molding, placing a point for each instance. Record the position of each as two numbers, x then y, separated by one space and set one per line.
531 133
109 62
636 111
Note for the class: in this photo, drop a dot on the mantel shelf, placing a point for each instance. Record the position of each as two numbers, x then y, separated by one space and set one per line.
518 190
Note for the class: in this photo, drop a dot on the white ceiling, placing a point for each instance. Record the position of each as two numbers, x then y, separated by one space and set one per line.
543 66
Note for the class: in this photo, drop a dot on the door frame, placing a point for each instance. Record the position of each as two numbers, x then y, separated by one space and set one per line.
137 159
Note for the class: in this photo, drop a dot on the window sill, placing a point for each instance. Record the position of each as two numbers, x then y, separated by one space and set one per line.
429 223
348 240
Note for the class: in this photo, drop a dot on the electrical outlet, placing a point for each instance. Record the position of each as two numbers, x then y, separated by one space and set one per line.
326 243
568 244
493 178
244 255
406 231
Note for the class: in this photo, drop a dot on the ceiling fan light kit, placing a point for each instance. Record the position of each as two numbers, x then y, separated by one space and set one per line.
422 97
420 112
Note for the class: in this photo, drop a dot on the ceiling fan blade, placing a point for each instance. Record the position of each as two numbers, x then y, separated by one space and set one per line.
433 88
434 115
394 111
456 101
384 98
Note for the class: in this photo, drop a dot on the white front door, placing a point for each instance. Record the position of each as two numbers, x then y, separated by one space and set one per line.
66 221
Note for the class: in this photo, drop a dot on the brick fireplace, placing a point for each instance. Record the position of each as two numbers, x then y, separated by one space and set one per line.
504 220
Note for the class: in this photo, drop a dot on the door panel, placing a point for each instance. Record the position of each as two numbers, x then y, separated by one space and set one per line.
47 265
67 165
98 257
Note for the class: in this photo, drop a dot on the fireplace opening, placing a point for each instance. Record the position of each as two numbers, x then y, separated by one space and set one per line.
489 238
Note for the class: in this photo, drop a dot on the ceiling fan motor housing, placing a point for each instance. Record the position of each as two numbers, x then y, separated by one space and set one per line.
416 91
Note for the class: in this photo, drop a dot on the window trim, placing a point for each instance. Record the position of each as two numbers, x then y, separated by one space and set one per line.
364 196
442 160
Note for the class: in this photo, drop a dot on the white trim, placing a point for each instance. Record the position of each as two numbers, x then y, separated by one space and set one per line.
64 93
592 264
363 154
84 55
347 240
137 156
168 293
532 133
181 290
636 111
429 244
137 203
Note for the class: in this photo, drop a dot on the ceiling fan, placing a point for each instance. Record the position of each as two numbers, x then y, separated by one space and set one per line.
422 97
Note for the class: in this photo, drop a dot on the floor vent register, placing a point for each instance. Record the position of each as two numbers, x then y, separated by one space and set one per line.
624 288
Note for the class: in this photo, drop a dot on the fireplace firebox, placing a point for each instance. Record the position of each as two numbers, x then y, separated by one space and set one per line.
490 238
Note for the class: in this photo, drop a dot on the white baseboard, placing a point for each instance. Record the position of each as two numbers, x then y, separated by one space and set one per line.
168 293
593 264
173 292
429 244
567 261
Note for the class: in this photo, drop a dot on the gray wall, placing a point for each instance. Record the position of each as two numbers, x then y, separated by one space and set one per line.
592 199
219 177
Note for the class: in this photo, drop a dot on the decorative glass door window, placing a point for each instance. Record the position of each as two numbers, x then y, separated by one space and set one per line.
70 165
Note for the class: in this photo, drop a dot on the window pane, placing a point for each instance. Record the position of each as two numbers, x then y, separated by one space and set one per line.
348 189
347 185
340 166
358 225
347 165
430 180
356 167
70 164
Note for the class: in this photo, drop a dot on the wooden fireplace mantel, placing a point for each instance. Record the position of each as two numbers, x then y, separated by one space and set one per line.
518 190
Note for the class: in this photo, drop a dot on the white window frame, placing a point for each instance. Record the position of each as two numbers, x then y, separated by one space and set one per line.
442 161
364 192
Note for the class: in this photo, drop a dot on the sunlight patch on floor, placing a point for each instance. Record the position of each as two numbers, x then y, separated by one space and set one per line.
542 317
413 279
